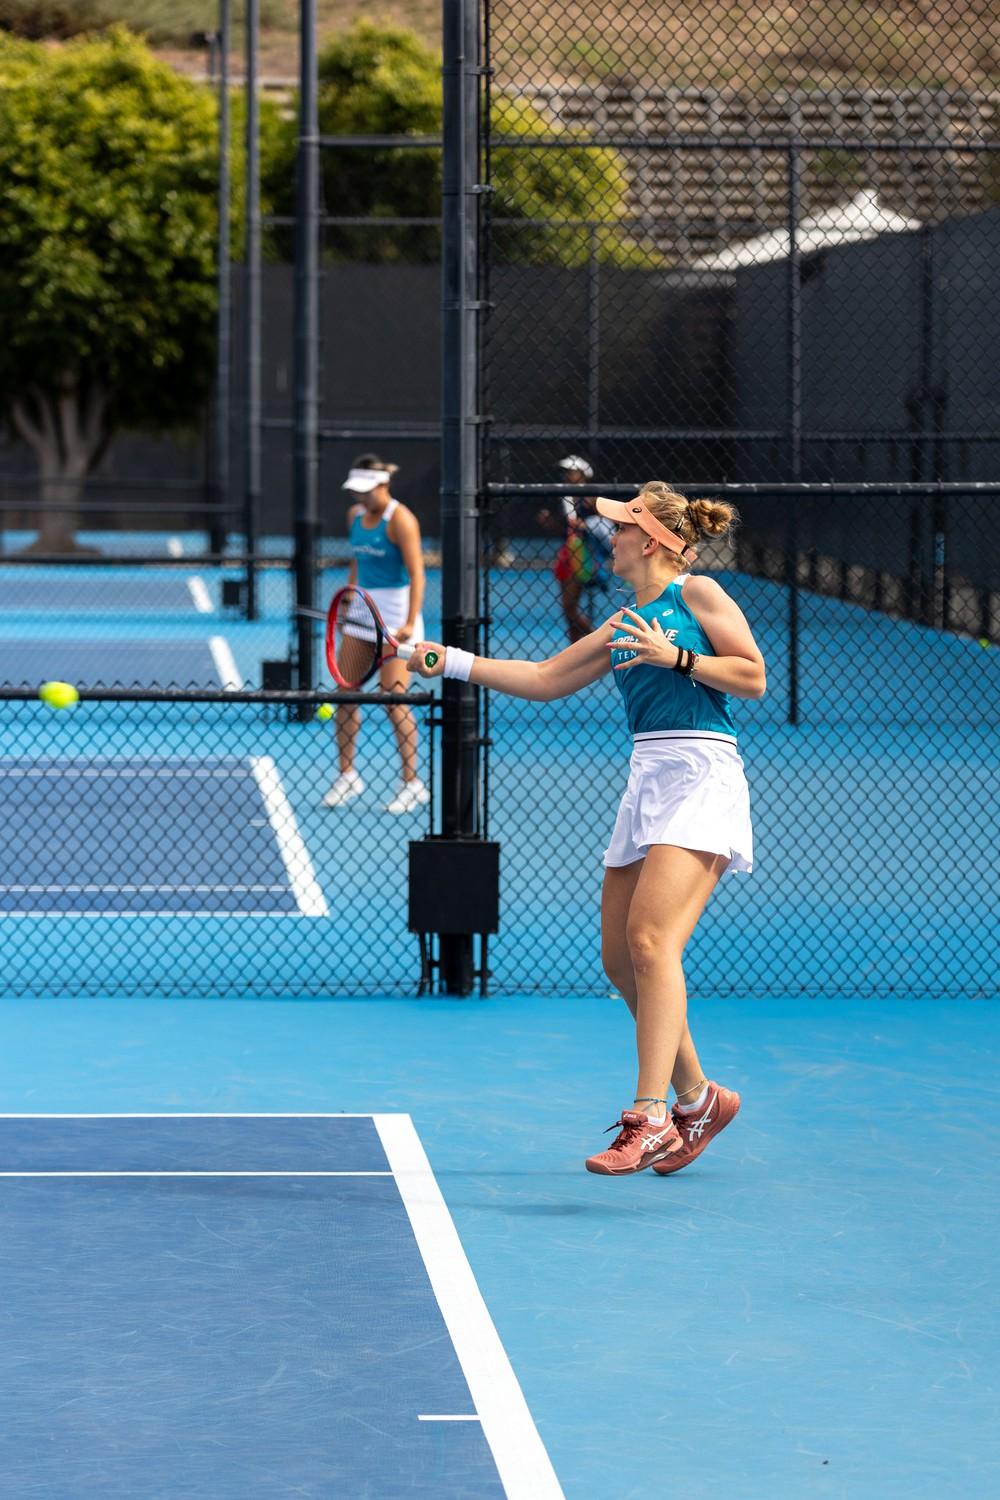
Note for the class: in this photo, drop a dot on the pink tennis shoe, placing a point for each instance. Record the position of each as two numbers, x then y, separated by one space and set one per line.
697 1127
641 1143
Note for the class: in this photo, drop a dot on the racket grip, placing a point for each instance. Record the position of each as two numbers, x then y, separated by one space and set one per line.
405 651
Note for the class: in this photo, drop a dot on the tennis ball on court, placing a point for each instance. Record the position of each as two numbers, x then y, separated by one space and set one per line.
58 694
984 642
324 711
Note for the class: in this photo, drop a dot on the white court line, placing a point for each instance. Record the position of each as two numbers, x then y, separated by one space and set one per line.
78 769
175 546
225 665
189 1114
200 596
137 890
301 876
214 916
194 1174
524 1467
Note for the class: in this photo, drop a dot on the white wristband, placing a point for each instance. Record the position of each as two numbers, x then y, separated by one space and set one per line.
457 663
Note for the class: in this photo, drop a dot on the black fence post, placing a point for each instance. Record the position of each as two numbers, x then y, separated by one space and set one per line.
251 315
793 375
460 440
218 526
306 466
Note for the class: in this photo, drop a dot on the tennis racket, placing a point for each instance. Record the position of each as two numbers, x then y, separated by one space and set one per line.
358 640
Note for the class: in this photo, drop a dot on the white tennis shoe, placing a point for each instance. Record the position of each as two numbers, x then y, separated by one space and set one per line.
347 786
410 796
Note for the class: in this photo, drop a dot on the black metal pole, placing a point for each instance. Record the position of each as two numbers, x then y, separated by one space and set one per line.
217 530
460 437
306 465
794 416
593 347
251 313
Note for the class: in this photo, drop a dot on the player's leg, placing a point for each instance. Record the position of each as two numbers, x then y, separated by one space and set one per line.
616 898
412 793
669 897
649 910
570 591
353 657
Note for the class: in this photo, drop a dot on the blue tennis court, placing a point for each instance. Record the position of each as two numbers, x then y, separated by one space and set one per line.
234 845
811 1310
50 591
232 1305
119 661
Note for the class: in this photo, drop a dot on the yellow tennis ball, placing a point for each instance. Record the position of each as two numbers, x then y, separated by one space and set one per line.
58 694
324 711
984 642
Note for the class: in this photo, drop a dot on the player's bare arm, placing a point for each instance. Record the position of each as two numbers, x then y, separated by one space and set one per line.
580 664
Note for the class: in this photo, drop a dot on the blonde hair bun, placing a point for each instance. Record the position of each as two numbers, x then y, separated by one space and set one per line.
712 517
691 519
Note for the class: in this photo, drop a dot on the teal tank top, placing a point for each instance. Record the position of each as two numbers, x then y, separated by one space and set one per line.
379 560
658 699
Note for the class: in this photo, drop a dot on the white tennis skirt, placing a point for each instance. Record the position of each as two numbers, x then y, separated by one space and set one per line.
685 787
392 604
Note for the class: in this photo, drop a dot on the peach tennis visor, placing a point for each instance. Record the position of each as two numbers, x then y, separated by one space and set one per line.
635 513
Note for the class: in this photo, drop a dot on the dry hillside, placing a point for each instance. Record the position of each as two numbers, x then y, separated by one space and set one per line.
951 44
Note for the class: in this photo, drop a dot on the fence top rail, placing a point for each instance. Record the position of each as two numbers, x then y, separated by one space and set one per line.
223 695
101 482
804 487
88 501
707 141
422 142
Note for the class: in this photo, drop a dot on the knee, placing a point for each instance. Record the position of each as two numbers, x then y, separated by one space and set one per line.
649 945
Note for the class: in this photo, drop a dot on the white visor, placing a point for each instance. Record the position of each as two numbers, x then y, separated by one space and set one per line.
574 461
363 480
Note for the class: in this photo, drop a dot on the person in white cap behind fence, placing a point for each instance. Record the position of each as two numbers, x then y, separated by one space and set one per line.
678 657
387 562
581 562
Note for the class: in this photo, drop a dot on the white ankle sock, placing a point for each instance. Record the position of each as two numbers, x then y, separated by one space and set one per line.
684 1108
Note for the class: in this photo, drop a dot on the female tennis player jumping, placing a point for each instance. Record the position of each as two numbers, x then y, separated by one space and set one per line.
384 538
678 657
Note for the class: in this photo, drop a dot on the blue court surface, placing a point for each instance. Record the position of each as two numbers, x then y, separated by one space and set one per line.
119 662
104 591
229 1306
202 836
190 1310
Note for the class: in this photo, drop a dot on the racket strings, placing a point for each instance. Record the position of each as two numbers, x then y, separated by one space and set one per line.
357 638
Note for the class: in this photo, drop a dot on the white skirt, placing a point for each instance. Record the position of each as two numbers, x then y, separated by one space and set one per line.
392 604
685 787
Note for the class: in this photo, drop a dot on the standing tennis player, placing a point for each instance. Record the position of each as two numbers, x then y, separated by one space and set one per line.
678 656
580 563
387 562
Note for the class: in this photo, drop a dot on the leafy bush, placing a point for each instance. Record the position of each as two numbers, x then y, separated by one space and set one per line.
381 80
159 21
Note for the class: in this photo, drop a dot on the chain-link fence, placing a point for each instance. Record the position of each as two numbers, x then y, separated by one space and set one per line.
773 266
178 844
748 251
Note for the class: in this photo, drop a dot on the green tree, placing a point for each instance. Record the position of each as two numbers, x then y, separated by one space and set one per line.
379 80
159 21
108 228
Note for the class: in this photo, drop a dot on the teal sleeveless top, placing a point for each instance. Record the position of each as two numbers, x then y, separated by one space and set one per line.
379 560
658 699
